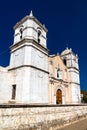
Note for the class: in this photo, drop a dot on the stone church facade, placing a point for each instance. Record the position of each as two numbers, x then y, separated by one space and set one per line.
64 84
33 76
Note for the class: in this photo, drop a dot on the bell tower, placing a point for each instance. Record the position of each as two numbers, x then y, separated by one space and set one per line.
29 61
71 61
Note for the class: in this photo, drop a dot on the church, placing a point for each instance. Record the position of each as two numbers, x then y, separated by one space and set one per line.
35 77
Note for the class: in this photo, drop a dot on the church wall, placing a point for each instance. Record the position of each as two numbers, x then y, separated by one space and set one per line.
66 95
56 83
27 55
5 85
39 59
58 63
33 84
75 91
18 80
74 76
17 58
39 90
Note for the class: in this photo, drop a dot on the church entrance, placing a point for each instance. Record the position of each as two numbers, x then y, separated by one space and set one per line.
59 97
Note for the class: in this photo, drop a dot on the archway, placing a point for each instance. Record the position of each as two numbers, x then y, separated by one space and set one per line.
59 97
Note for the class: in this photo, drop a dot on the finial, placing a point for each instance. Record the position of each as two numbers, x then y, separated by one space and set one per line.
31 13
76 55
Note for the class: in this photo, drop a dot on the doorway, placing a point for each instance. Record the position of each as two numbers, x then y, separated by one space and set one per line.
59 97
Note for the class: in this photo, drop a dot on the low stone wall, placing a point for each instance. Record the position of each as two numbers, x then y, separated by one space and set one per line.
39 117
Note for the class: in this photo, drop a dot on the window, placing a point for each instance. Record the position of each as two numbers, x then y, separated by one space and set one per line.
13 91
59 74
64 61
39 34
21 32
58 70
51 63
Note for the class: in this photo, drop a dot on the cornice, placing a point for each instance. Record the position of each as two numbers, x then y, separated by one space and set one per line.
74 83
31 66
58 80
30 18
26 42
73 68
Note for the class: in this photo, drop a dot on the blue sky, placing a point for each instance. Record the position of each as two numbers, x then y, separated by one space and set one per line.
66 21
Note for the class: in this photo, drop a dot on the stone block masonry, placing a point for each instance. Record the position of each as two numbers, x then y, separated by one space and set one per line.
39 117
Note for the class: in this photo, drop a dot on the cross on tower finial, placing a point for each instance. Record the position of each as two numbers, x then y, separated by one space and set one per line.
31 13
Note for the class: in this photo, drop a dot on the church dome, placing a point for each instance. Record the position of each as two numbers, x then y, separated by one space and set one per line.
66 51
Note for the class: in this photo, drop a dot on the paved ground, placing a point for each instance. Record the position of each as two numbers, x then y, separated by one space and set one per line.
80 125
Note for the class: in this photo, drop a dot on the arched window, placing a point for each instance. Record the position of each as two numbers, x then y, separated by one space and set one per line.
38 34
59 73
21 32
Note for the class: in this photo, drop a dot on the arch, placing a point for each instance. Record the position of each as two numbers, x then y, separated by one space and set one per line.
21 31
59 87
39 32
59 96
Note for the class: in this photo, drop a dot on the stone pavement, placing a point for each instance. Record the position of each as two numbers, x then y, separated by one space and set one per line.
79 125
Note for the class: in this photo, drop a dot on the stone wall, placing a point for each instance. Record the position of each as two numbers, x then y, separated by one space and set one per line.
39 117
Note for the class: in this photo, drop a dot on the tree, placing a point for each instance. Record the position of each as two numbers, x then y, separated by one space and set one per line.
84 98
